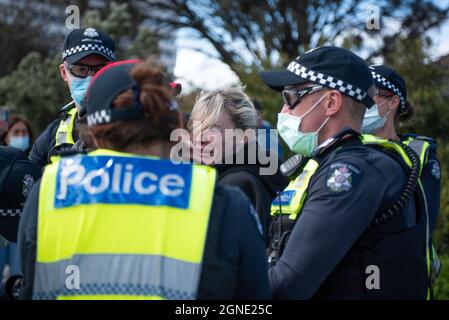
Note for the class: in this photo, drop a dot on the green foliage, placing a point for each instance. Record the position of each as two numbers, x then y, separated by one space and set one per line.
132 41
271 101
441 287
425 86
35 89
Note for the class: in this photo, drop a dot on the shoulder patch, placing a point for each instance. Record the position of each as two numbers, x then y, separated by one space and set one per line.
342 177
28 182
435 169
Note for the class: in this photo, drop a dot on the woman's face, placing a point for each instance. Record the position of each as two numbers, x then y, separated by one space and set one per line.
18 136
382 104
209 145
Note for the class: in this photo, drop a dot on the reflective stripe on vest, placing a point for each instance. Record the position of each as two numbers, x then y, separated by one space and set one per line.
64 134
387 145
291 200
420 147
129 227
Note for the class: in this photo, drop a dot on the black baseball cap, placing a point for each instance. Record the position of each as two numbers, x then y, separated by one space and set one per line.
17 177
81 43
388 79
107 84
332 67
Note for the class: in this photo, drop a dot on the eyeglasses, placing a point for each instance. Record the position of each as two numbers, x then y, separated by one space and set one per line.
384 93
82 70
292 97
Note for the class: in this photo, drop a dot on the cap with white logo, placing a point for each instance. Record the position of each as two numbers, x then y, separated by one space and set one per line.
80 43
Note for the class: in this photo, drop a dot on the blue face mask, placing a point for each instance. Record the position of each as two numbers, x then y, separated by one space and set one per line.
79 88
20 142
372 121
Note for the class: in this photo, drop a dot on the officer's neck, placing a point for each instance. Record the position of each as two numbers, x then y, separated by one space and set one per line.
155 149
158 149
333 128
388 132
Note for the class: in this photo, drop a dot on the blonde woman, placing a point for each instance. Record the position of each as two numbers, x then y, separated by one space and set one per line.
223 126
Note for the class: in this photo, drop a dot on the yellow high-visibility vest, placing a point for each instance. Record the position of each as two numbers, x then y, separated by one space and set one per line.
421 148
120 226
64 134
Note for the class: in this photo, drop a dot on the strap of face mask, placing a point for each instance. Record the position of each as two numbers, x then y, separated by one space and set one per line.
314 106
387 114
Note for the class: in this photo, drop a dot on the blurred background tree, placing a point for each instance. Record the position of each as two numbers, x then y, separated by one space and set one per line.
34 87
253 35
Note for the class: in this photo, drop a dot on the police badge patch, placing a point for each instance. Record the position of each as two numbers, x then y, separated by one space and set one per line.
435 169
28 183
91 33
342 177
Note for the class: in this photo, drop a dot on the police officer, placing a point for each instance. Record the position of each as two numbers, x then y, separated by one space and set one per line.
392 107
340 231
17 177
134 224
85 52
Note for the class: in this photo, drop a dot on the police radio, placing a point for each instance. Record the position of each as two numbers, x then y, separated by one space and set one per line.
289 167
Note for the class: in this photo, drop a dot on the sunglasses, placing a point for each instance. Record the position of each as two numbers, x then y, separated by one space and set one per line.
292 97
384 93
82 70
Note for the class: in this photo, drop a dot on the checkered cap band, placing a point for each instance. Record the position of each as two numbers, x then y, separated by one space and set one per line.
326 80
88 47
387 84
99 117
10 212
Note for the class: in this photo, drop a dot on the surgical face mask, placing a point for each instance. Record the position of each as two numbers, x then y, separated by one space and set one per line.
20 142
372 121
299 142
79 88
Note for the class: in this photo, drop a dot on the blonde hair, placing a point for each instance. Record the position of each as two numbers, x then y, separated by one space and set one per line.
233 101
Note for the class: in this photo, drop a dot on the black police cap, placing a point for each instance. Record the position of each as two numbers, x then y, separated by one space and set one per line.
106 85
388 79
333 67
81 43
17 177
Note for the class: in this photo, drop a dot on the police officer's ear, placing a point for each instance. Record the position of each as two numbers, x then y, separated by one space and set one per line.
393 103
63 72
333 102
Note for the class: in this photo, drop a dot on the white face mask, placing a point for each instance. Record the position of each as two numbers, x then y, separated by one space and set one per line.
372 121
300 142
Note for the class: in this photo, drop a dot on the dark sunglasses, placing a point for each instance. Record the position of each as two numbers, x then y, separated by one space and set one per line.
292 97
82 70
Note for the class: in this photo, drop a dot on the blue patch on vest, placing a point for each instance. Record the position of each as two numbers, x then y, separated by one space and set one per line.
122 180
284 198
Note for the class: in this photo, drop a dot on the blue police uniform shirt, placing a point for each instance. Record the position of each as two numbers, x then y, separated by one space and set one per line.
349 188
